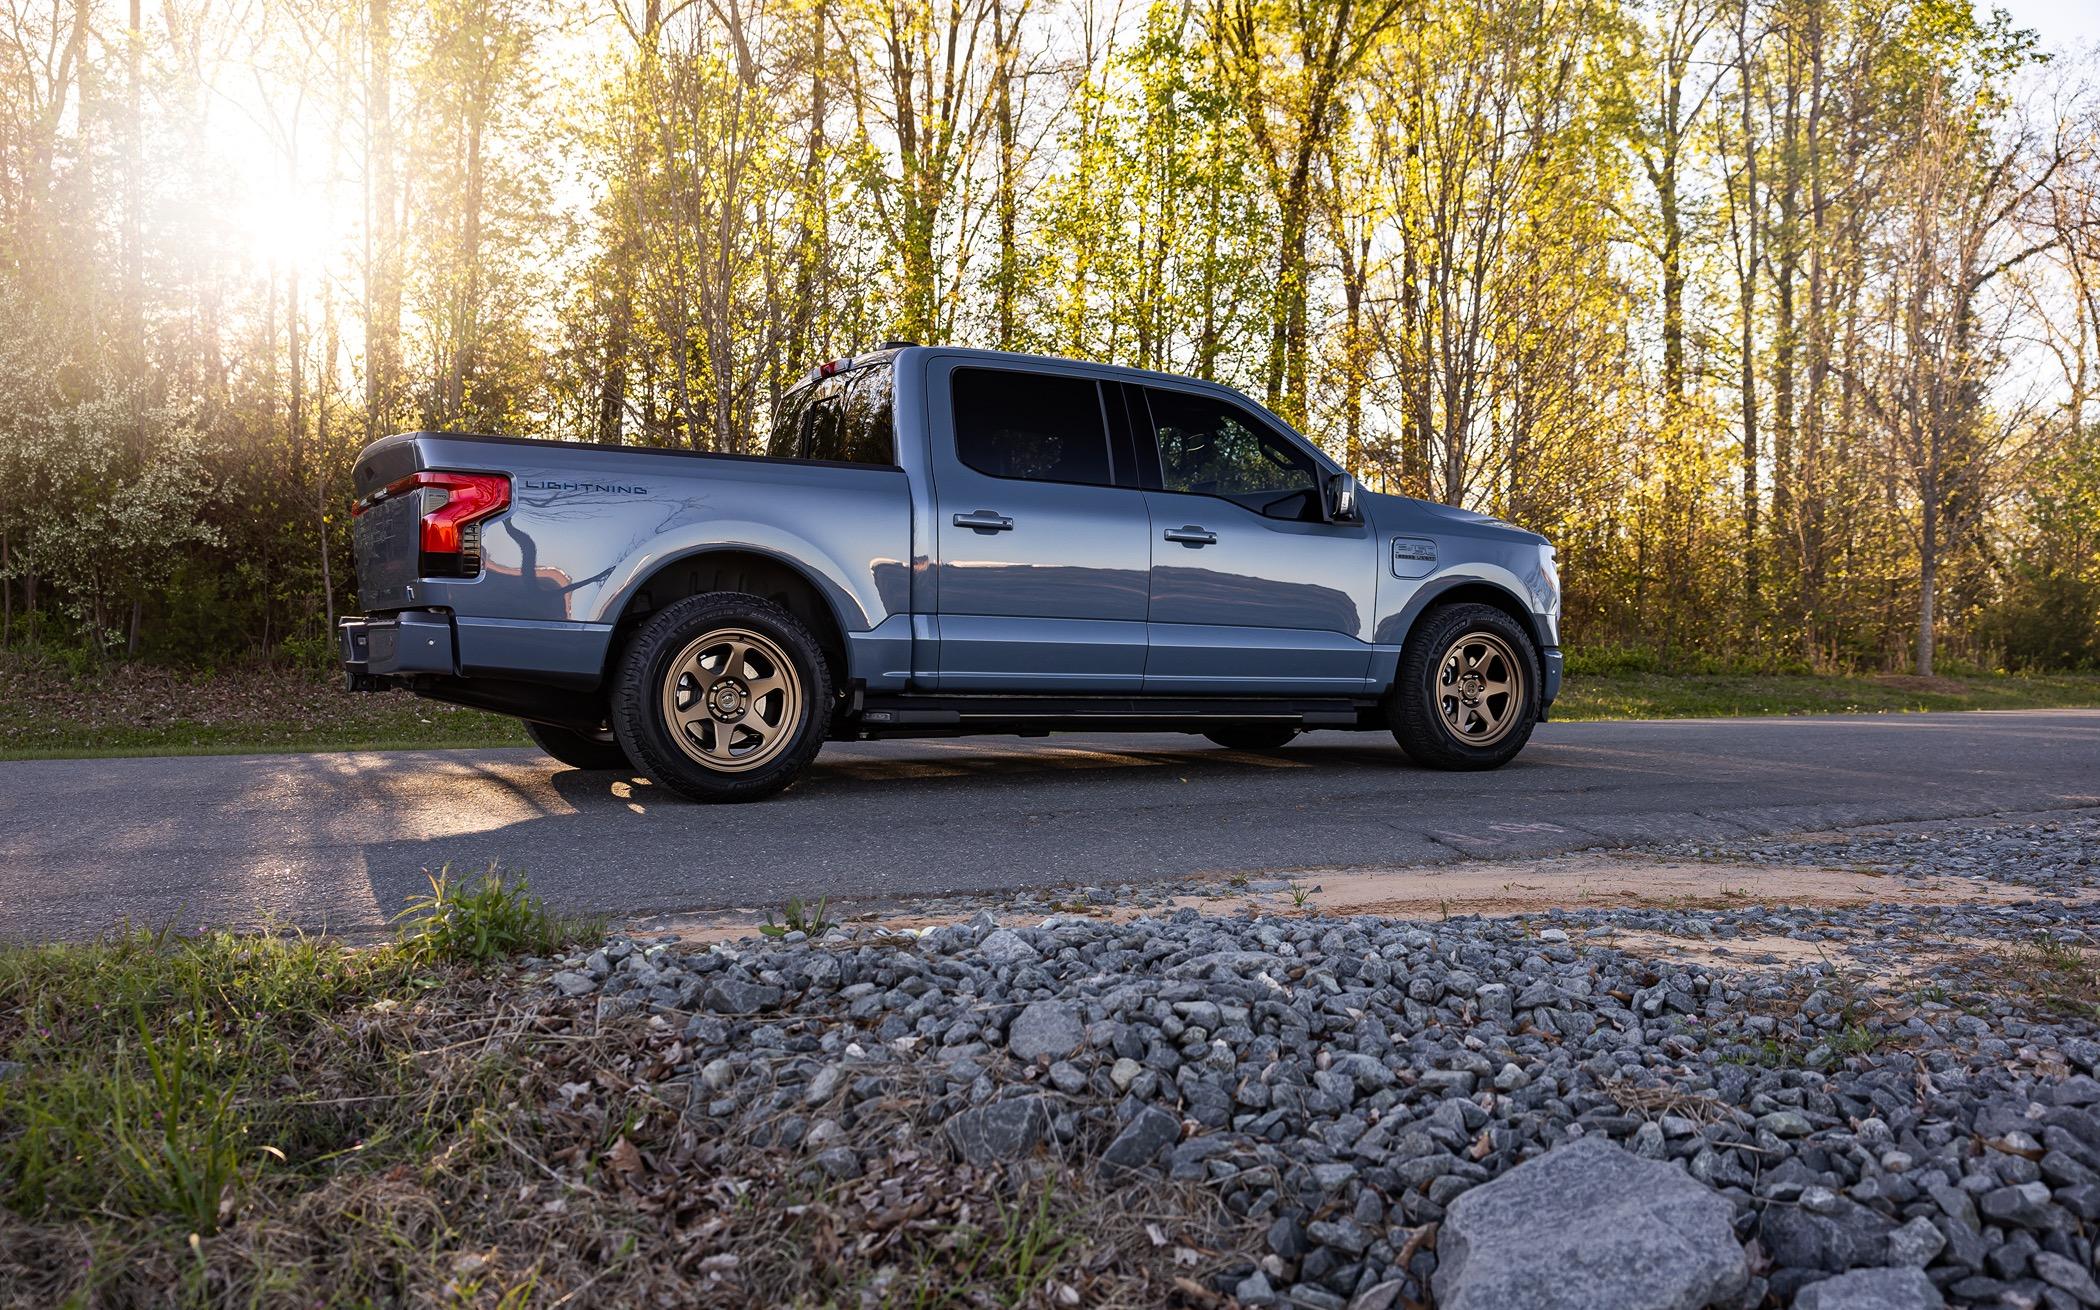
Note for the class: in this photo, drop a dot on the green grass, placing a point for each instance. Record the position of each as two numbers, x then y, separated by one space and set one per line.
180 1097
48 713
1680 696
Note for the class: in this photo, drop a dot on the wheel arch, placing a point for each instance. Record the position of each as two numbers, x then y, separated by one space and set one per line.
743 569
1461 591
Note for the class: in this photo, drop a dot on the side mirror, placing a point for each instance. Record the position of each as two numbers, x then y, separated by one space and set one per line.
1341 499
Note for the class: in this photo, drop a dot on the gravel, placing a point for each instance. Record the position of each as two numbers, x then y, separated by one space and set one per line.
1905 1118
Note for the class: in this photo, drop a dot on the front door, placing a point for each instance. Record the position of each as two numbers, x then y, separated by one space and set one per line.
1253 591
1043 558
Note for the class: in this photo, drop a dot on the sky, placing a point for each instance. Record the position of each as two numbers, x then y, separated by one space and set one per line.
2063 24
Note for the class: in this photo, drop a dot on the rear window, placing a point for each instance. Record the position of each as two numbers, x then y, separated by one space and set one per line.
846 418
1041 426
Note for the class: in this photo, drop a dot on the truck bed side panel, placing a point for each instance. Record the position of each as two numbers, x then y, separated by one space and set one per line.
589 525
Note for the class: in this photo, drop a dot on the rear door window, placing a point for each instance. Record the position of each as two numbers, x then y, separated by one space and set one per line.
1042 427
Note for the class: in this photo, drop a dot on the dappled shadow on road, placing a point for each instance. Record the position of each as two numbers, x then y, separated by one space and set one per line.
906 806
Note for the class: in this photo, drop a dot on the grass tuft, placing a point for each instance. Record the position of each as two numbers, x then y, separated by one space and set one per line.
475 923
799 916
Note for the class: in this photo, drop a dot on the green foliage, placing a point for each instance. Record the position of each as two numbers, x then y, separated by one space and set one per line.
798 917
1485 253
2049 616
475 923
139 1050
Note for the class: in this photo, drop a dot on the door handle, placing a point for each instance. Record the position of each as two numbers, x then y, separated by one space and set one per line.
984 520
1192 536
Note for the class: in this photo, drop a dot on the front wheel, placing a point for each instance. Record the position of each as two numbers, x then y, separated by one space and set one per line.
722 697
1467 694
575 749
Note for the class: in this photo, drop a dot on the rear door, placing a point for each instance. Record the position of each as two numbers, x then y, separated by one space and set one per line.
1252 590
1043 559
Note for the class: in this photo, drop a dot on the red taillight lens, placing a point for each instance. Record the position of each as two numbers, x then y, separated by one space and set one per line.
452 504
471 498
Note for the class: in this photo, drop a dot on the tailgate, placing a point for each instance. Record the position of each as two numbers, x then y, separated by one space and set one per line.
388 541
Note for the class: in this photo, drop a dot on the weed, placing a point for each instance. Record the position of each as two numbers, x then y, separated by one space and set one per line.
1301 895
479 922
796 916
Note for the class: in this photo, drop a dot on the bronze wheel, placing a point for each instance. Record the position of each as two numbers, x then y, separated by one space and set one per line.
722 697
1467 692
732 699
1480 688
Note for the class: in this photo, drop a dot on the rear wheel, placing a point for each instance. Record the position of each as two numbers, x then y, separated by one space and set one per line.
577 749
722 697
1467 695
1252 737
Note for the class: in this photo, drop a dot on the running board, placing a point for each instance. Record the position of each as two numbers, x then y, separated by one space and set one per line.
906 715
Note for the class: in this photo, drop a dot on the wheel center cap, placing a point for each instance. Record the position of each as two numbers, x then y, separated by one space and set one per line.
1470 685
727 699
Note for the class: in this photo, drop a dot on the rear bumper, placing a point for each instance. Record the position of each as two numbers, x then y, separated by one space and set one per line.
376 650
1551 660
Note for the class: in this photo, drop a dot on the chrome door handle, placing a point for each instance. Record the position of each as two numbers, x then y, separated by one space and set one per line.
1192 536
984 520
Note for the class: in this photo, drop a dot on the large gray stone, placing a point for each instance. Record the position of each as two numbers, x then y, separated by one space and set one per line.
1872 1289
1150 1131
570 983
1005 946
735 996
1589 1226
1046 1028
998 1132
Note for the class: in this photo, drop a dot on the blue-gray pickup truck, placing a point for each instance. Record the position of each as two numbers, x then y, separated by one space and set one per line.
942 541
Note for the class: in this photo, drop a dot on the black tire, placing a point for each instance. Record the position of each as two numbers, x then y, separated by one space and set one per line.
575 749
750 746
1256 737
1428 706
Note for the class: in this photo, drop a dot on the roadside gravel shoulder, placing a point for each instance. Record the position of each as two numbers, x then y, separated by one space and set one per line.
1912 1089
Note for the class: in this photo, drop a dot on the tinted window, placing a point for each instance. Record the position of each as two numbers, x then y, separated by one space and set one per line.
1214 448
845 418
1030 425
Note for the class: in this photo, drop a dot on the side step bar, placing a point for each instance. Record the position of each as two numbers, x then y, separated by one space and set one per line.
902 716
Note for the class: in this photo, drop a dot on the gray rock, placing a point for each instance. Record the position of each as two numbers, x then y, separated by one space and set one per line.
999 1131
734 996
1872 1289
1589 1226
1005 946
1847 1236
1148 1133
1046 1028
838 1162
12 1069
2026 1205
570 983
2057 1271
1383 1296
1916 1243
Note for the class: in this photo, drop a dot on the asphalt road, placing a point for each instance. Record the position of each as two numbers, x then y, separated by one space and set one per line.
339 840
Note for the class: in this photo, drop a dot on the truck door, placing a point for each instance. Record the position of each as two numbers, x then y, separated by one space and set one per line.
1043 559
1252 590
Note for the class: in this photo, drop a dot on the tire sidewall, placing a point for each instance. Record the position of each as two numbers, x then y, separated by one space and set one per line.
1417 722
637 712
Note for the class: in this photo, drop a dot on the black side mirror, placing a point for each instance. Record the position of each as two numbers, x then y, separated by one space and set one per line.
1341 499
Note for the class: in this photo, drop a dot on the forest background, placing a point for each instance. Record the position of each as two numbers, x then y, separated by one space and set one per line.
1781 317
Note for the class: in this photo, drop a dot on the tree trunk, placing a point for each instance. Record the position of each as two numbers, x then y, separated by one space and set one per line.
383 257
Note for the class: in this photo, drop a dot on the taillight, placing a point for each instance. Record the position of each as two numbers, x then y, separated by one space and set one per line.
452 510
